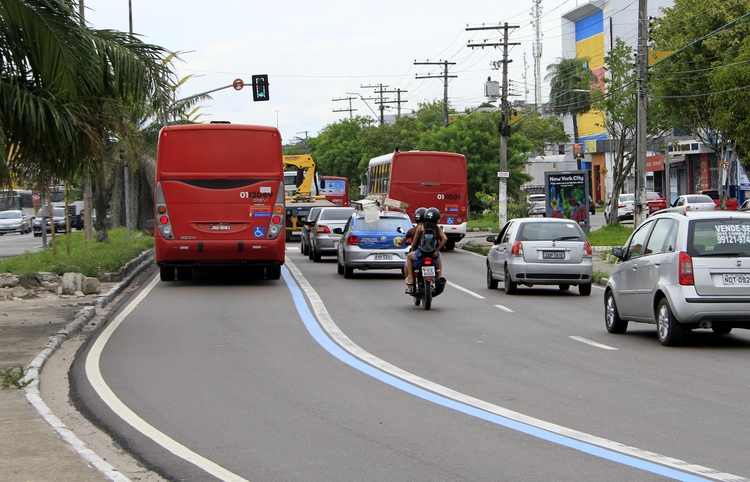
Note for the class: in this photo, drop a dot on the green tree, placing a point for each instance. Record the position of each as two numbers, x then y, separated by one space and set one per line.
704 85
570 88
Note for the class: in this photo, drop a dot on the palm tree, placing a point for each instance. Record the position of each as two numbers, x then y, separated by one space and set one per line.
65 90
570 89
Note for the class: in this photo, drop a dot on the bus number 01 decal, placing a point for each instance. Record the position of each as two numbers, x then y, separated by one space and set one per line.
453 197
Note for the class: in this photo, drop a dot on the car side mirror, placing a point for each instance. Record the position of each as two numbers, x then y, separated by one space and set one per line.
490 238
338 231
617 253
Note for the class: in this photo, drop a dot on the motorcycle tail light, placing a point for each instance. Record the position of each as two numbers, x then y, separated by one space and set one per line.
428 261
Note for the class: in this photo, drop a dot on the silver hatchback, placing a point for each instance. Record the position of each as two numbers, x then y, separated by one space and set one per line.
324 240
682 270
540 251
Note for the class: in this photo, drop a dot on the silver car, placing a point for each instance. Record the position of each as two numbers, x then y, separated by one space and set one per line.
537 203
682 270
323 238
534 251
373 243
14 221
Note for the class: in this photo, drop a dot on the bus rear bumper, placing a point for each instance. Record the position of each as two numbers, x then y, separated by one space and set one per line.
219 253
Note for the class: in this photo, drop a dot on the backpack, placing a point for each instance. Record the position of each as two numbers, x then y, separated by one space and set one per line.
428 242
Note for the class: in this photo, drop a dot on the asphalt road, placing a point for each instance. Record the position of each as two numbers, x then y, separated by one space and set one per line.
13 244
484 386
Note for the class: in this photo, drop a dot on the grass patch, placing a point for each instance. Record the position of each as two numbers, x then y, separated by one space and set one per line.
484 222
610 236
13 376
598 275
476 248
98 259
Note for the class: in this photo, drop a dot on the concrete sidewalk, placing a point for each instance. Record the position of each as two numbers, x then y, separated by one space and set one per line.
34 445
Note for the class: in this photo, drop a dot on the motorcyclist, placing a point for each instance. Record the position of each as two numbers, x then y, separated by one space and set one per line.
418 219
431 220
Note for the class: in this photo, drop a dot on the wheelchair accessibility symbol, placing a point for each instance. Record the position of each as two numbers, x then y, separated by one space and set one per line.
260 232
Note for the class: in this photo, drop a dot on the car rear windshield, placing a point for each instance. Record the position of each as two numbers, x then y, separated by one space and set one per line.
384 224
550 232
10 215
719 237
337 214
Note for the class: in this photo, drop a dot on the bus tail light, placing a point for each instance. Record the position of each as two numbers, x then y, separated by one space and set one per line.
517 249
352 240
276 220
165 225
686 269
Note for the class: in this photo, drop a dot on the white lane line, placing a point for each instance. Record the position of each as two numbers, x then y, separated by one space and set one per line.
504 308
108 396
461 288
592 343
339 338
293 248
472 252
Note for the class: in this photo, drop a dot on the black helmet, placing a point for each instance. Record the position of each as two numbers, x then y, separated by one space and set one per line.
433 215
419 215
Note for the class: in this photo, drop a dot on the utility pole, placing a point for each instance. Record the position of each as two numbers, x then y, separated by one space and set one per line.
398 100
640 204
304 142
536 51
382 99
445 76
504 126
349 110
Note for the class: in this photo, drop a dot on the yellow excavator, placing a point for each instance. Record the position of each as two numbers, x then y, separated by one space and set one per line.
301 192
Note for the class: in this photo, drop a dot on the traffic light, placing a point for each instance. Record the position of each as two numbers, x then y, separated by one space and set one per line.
260 87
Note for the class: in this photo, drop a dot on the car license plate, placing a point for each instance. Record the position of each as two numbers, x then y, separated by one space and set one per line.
737 279
428 271
382 256
553 255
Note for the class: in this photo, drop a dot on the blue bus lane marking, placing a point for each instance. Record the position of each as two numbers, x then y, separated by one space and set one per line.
324 331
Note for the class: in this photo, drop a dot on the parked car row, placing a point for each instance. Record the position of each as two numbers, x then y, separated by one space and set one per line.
626 205
361 239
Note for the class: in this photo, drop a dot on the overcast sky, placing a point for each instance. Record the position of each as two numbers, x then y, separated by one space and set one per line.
314 52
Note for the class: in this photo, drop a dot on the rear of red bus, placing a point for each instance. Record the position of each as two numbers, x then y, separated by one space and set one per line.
335 189
433 179
219 199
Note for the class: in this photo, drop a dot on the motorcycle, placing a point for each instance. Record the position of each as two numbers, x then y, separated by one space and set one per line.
426 283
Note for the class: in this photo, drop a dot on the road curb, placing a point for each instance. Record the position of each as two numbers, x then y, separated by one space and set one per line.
128 274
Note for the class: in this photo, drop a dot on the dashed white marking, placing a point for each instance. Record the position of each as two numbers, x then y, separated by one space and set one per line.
461 288
504 308
592 343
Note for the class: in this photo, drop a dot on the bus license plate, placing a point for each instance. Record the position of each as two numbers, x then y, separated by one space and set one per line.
383 257
428 271
553 255
737 279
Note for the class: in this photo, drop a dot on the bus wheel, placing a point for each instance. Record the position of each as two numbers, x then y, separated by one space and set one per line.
273 272
184 273
166 273
450 246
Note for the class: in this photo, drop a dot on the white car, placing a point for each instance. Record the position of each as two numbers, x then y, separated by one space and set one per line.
695 202
625 207
538 204
14 221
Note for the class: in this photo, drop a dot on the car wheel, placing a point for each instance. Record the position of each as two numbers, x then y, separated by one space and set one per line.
585 289
450 246
612 319
165 272
273 272
310 251
304 248
671 332
722 330
510 286
564 287
315 256
348 272
491 282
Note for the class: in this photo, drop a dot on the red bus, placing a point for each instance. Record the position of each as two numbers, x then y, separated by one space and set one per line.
335 189
424 179
219 199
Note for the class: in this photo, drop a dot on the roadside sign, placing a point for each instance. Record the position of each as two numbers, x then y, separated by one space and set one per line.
503 174
238 84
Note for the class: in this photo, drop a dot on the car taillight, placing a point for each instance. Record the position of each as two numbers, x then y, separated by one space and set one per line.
688 208
620 206
352 240
517 249
323 229
686 269
588 249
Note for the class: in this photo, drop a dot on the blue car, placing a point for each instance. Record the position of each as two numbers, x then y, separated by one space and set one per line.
373 243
